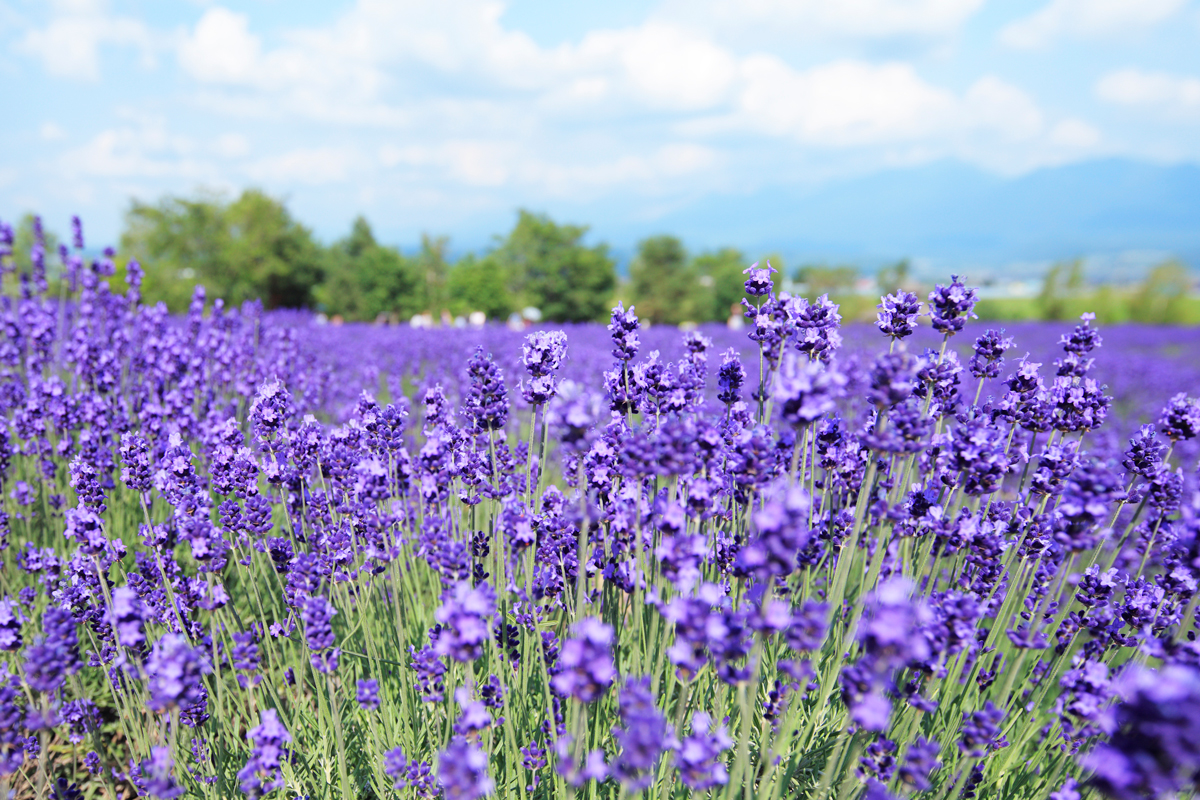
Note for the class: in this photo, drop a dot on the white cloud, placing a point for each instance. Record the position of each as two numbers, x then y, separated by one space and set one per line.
816 20
69 45
143 149
314 166
1175 95
842 103
1087 18
664 66
222 49
493 164
473 163
51 132
231 145
1075 134
855 103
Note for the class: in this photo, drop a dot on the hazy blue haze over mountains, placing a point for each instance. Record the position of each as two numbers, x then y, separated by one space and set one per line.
1122 213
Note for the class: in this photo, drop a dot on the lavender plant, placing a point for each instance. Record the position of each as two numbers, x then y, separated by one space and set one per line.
247 555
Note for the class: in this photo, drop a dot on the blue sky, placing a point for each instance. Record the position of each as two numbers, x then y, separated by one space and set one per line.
445 117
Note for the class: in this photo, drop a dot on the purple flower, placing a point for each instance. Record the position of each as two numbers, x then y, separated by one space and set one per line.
807 391
11 618
781 532
989 354
1145 452
759 283
585 663
54 655
261 774
806 631
12 722
541 355
643 736
462 771
317 614
153 776
246 657
698 757
624 327
898 314
730 377
1180 420
368 694
978 453
430 671
594 767
464 615
951 306
270 411
174 671
128 615
920 762
1154 747
981 732
893 378
136 469
487 401
474 717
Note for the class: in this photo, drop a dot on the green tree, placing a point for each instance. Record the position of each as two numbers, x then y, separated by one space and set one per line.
1162 296
365 279
23 243
1062 281
250 248
893 278
479 284
547 266
664 289
434 272
819 279
722 283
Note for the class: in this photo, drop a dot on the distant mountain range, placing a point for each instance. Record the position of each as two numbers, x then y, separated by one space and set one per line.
1120 214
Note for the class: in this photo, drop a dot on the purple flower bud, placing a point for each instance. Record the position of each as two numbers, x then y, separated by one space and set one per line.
317 615
261 774
759 283
11 618
464 615
920 762
643 736
898 314
368 694
128 615
153 776
542 354
1180 420
174 671
951 306
270 411
462 771
55 654
487 402
981 731
585 663
989 354
699 755
807 391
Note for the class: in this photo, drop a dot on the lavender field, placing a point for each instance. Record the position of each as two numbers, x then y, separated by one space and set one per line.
248 554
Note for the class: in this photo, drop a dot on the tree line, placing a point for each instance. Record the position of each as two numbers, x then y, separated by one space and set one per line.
251 247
